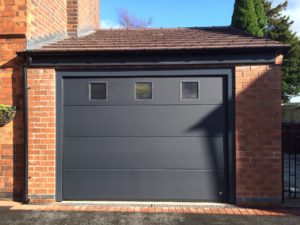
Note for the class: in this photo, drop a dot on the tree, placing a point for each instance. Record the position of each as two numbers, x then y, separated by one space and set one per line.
127 20
279 26
261 17
244 17
279 29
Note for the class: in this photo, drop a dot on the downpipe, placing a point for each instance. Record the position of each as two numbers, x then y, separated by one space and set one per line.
26 88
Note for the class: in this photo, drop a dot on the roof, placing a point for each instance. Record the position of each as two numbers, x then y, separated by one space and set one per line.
161 39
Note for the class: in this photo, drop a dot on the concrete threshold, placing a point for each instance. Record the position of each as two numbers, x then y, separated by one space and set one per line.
147 204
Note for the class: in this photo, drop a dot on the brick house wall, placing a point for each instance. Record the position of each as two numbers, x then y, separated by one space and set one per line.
49 21
88 17
82 16
11 136
12 39
72 17
24 25
41 139
12 17
46 21
258 134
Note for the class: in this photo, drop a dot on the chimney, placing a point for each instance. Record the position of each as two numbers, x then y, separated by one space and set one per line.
83 16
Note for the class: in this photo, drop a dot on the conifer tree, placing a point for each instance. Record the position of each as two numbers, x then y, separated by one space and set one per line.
279 29
244 17
261 17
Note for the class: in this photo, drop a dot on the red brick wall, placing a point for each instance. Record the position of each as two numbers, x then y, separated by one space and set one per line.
46 20
11 135
72 17
88 15
258 134
12 39
41 139
83 16
12 16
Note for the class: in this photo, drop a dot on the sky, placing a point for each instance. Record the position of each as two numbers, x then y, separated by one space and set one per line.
170 13
182 13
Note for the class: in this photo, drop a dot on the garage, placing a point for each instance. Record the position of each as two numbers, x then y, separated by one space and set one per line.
187 114
141 137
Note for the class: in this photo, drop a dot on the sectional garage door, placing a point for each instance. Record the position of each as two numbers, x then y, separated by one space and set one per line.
144 138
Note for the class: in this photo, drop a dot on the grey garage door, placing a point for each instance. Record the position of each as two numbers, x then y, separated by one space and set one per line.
144 138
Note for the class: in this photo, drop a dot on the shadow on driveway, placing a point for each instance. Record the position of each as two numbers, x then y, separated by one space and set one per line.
11 217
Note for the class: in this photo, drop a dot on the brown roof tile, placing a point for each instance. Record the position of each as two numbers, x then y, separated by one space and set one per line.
162 39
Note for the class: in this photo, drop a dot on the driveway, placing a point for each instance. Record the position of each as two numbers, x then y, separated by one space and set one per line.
15 217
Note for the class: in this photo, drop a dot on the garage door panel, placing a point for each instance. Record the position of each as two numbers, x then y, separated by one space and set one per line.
189 120
144 153
119 145
144 185
121 91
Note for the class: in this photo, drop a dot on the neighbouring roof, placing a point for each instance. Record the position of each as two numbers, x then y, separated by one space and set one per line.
162 39
293 106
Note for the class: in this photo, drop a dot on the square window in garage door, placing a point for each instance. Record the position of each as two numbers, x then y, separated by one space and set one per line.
143 91
189 90
98 90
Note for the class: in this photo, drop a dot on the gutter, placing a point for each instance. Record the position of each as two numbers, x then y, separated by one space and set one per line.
195 51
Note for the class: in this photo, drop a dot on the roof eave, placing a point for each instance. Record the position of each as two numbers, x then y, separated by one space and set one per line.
281 49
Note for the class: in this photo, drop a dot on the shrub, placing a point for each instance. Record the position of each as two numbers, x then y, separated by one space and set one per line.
7 113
